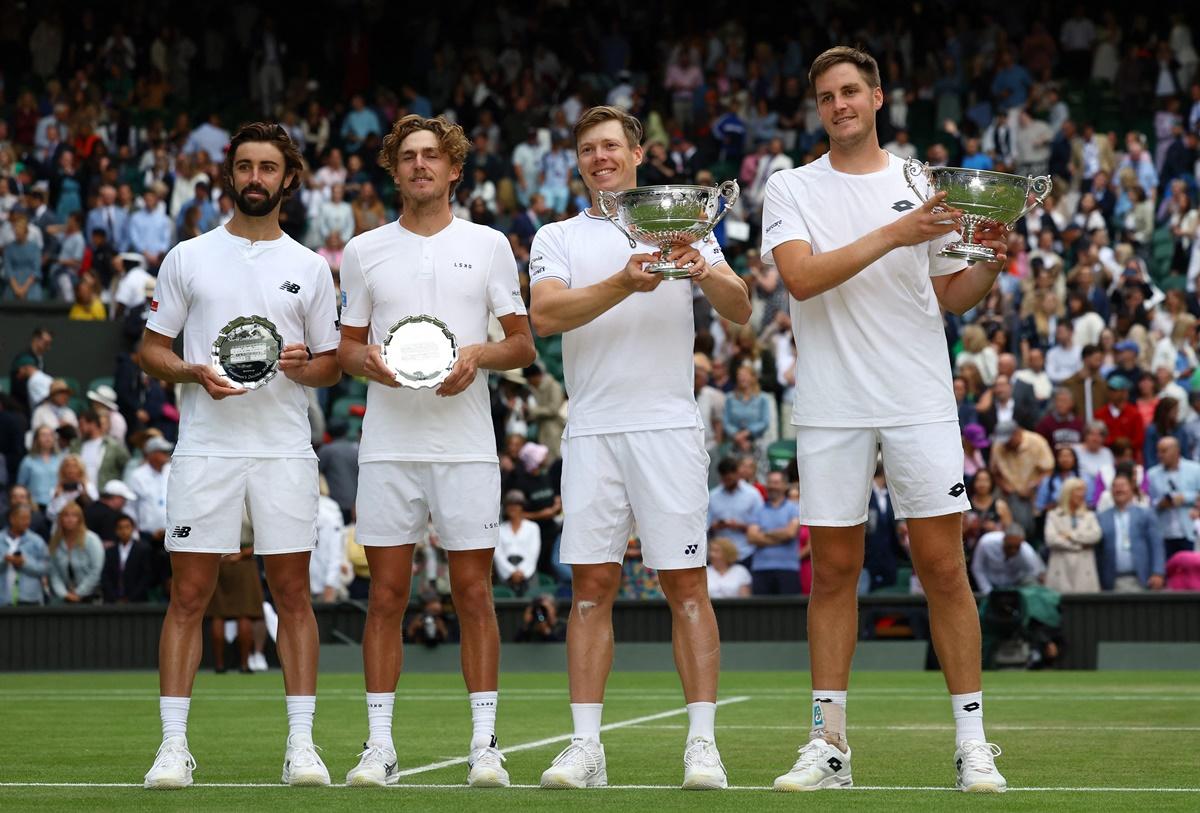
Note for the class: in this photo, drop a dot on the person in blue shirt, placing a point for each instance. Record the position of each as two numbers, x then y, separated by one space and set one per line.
1174 487
21 275
150 231
747 412
26 559
732 506
1010 87
973 158
774 533
359 123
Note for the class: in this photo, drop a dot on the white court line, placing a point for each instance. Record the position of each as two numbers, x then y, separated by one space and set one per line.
763 789
527 746
937 727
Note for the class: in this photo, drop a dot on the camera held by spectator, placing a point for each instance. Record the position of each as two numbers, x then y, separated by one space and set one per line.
540 622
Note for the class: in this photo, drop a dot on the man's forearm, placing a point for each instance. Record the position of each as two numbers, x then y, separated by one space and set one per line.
512 352
352 357
557 311
321 371
729 296
163 363
817 273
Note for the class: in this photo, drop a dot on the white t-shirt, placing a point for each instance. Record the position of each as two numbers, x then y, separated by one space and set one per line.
92 453
459 275
210 280
131 290
872 351
630 369
727 584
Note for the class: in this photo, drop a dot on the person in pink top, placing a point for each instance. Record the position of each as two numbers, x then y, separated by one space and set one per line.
1183 571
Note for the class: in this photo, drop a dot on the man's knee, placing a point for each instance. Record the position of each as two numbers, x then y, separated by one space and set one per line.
388 596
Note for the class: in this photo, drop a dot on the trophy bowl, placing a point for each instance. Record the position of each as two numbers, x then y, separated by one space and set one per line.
985 198
667 217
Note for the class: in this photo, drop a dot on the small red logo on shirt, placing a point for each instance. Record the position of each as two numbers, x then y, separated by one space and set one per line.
154 305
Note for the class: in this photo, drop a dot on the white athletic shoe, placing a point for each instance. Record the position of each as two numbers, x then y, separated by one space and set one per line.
376 768
702 767
302 766
173 766
486 768
975 761
257 662
580 765
819 766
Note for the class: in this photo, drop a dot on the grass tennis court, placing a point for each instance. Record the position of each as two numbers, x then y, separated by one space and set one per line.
1124 739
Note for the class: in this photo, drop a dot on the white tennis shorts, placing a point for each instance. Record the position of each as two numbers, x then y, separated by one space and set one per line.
396 499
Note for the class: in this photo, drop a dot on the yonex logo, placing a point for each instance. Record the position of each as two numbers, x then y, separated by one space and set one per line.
957 489
290 287
972 706
903 205
690 550
181 531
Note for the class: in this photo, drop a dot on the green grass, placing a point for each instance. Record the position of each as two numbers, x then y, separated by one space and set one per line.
1058 730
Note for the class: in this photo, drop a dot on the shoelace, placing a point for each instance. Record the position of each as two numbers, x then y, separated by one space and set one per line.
170 749
578 754
305 755
374 755
489 757
702 752
979 756
810 752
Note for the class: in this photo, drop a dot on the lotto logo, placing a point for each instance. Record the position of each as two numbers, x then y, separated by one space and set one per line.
972 706
903 205
957 489
834 763
181 531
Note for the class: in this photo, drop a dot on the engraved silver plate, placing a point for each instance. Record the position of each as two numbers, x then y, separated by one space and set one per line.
420 351
246 351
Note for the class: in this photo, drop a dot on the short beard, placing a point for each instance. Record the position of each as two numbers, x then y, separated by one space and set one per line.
260 209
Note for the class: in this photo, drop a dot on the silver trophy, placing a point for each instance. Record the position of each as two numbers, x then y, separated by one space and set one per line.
246 351
985 198
420 351
667 217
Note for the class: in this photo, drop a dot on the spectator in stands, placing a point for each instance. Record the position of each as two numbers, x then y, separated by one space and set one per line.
26 560
711 403
65 273
339 466
1000 405
149 482
1174 487
726 577
1092 454
747 413
86 306
55 411
543 503
73 487
774 534
109 217
101 516
1131 557
732 507
103 399
1089 389
1072 532
547 413
39 469
1020 461
428 626
1064 359
1066 467
540 623
200 213
989 512
975 443
335 214
1004 560
76 559
519 548
150 230
1061 425
977 351
882 537
21 273
1121 417
1165 423
103 456
129 568
325 564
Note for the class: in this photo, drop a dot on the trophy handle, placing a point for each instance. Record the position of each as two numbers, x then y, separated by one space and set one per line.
912 169
1040 187
606 202
731 192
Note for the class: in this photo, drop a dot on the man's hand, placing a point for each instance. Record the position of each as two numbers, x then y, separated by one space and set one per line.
16 560
329 595
294 360
693 260
923 223
217 387
463 374
634 277
376 370
1155 582
994 238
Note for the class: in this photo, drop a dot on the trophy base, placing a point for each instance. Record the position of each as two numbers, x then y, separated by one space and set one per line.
971 252
669 270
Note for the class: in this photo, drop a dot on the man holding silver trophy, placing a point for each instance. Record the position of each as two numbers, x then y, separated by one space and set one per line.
870 270
633 451
416 298
250 302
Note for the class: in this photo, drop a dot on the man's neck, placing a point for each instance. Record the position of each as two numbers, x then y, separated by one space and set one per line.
859 159
1120 506
255 229
428 219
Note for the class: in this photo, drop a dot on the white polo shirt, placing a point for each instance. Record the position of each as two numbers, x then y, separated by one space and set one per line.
459 275
210 280
872 351
630 368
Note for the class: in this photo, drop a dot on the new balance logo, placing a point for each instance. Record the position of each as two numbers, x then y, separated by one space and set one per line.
972 706
290 287
690 550
181 531
834 764
957 489
903 205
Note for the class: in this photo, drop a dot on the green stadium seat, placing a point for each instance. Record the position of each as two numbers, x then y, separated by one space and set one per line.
104 380
780 454
73 383
5 385
357 388
354 427
502 591
342 407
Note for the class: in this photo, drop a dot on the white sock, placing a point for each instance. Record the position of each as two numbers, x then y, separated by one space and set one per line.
379 718
829 715
300 711
174 712
483 719
968 717
702 720
587 720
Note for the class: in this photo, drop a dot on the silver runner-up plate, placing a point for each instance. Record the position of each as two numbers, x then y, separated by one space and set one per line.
420 351
246 351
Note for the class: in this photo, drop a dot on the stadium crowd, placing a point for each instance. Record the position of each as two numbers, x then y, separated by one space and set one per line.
1077 379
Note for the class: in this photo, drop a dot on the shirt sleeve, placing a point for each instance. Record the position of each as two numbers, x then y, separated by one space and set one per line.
356 296
940 266
548 258
782 219
320 323
503 289
711 251
169 308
